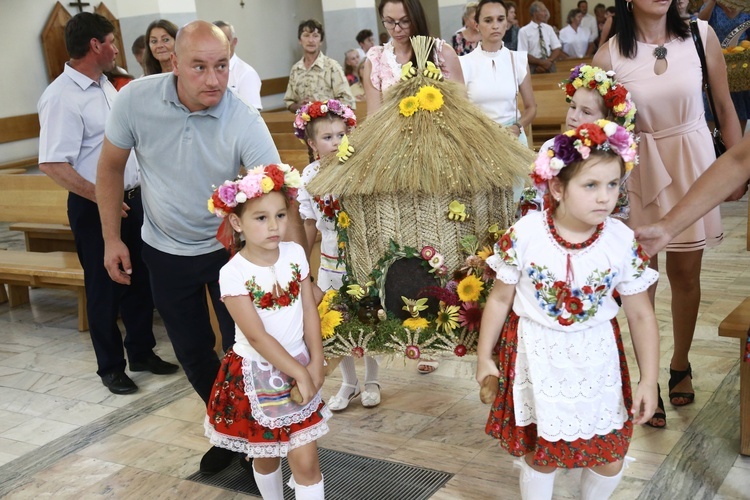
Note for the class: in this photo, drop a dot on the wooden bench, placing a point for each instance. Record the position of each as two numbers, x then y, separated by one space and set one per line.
42 202
37 206
21 270
736 325
287 140
297 158
42 237
551 111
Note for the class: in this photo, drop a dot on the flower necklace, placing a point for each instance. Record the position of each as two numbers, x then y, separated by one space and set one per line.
329 207
566 290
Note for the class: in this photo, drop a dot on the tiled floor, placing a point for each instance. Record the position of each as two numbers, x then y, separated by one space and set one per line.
63 435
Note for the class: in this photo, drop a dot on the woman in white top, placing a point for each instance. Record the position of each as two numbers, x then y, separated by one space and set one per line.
494 75
575 38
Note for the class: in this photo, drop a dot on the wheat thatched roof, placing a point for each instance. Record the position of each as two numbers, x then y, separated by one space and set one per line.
454 149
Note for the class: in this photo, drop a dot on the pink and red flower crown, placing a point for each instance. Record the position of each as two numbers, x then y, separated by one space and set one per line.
576 145
257 182
319 109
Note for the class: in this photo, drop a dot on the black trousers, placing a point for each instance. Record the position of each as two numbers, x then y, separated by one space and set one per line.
105 298
179 286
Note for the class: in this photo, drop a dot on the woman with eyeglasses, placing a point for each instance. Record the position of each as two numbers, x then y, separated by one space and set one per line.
403 19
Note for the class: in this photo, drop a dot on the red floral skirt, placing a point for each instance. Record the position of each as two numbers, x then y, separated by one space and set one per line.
520 441
230 423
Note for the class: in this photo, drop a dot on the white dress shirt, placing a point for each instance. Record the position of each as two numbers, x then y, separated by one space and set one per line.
244 80
72 112
528 39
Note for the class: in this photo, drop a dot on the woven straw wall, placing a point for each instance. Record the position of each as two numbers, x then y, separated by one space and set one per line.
418 220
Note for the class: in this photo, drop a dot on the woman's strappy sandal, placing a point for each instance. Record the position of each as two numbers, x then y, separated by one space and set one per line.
661 415
675 377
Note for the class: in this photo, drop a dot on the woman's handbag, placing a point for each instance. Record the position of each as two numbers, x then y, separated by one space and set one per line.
719 147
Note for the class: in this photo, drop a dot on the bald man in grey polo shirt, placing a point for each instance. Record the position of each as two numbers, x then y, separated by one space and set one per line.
188 133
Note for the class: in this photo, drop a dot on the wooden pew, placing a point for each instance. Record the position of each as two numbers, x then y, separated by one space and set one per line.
736 325
551 110
287 140
21 270
295 157
38 199
24 163
547 81
45 237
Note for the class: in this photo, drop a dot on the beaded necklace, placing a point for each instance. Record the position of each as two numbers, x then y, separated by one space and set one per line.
568 287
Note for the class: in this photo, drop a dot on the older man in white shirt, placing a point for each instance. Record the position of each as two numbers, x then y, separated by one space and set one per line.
539 40
243 79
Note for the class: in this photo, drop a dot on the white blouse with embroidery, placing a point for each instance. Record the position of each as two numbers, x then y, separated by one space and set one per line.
567 374
323 210
282 315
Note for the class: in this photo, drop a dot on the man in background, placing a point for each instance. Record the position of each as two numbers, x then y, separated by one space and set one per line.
138 48
72 113
538 39
243 79
365 40
588 21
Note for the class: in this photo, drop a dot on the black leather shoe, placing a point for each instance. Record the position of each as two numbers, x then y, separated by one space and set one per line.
216 460
119 383
153 364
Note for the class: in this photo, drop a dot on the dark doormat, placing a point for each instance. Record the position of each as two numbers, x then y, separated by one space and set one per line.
347 477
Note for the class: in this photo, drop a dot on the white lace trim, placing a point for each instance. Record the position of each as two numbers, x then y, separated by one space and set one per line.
274 422
640 284
569 384
268 450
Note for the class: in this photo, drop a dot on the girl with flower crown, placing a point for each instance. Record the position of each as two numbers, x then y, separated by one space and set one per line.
324 126
564 398
266 288
593 94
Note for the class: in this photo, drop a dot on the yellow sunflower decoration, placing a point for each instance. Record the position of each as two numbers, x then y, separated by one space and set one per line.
408 105
329 322
430 98
329 319
470 288
343 220
415 324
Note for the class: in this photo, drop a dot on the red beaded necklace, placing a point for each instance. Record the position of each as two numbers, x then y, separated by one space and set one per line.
566 244
569 278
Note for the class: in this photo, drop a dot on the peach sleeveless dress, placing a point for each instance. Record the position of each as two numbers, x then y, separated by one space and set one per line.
675 144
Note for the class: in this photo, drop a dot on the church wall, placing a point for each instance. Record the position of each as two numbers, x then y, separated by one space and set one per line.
267 33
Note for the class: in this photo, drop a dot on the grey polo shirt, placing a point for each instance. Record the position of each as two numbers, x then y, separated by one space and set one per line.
182 155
